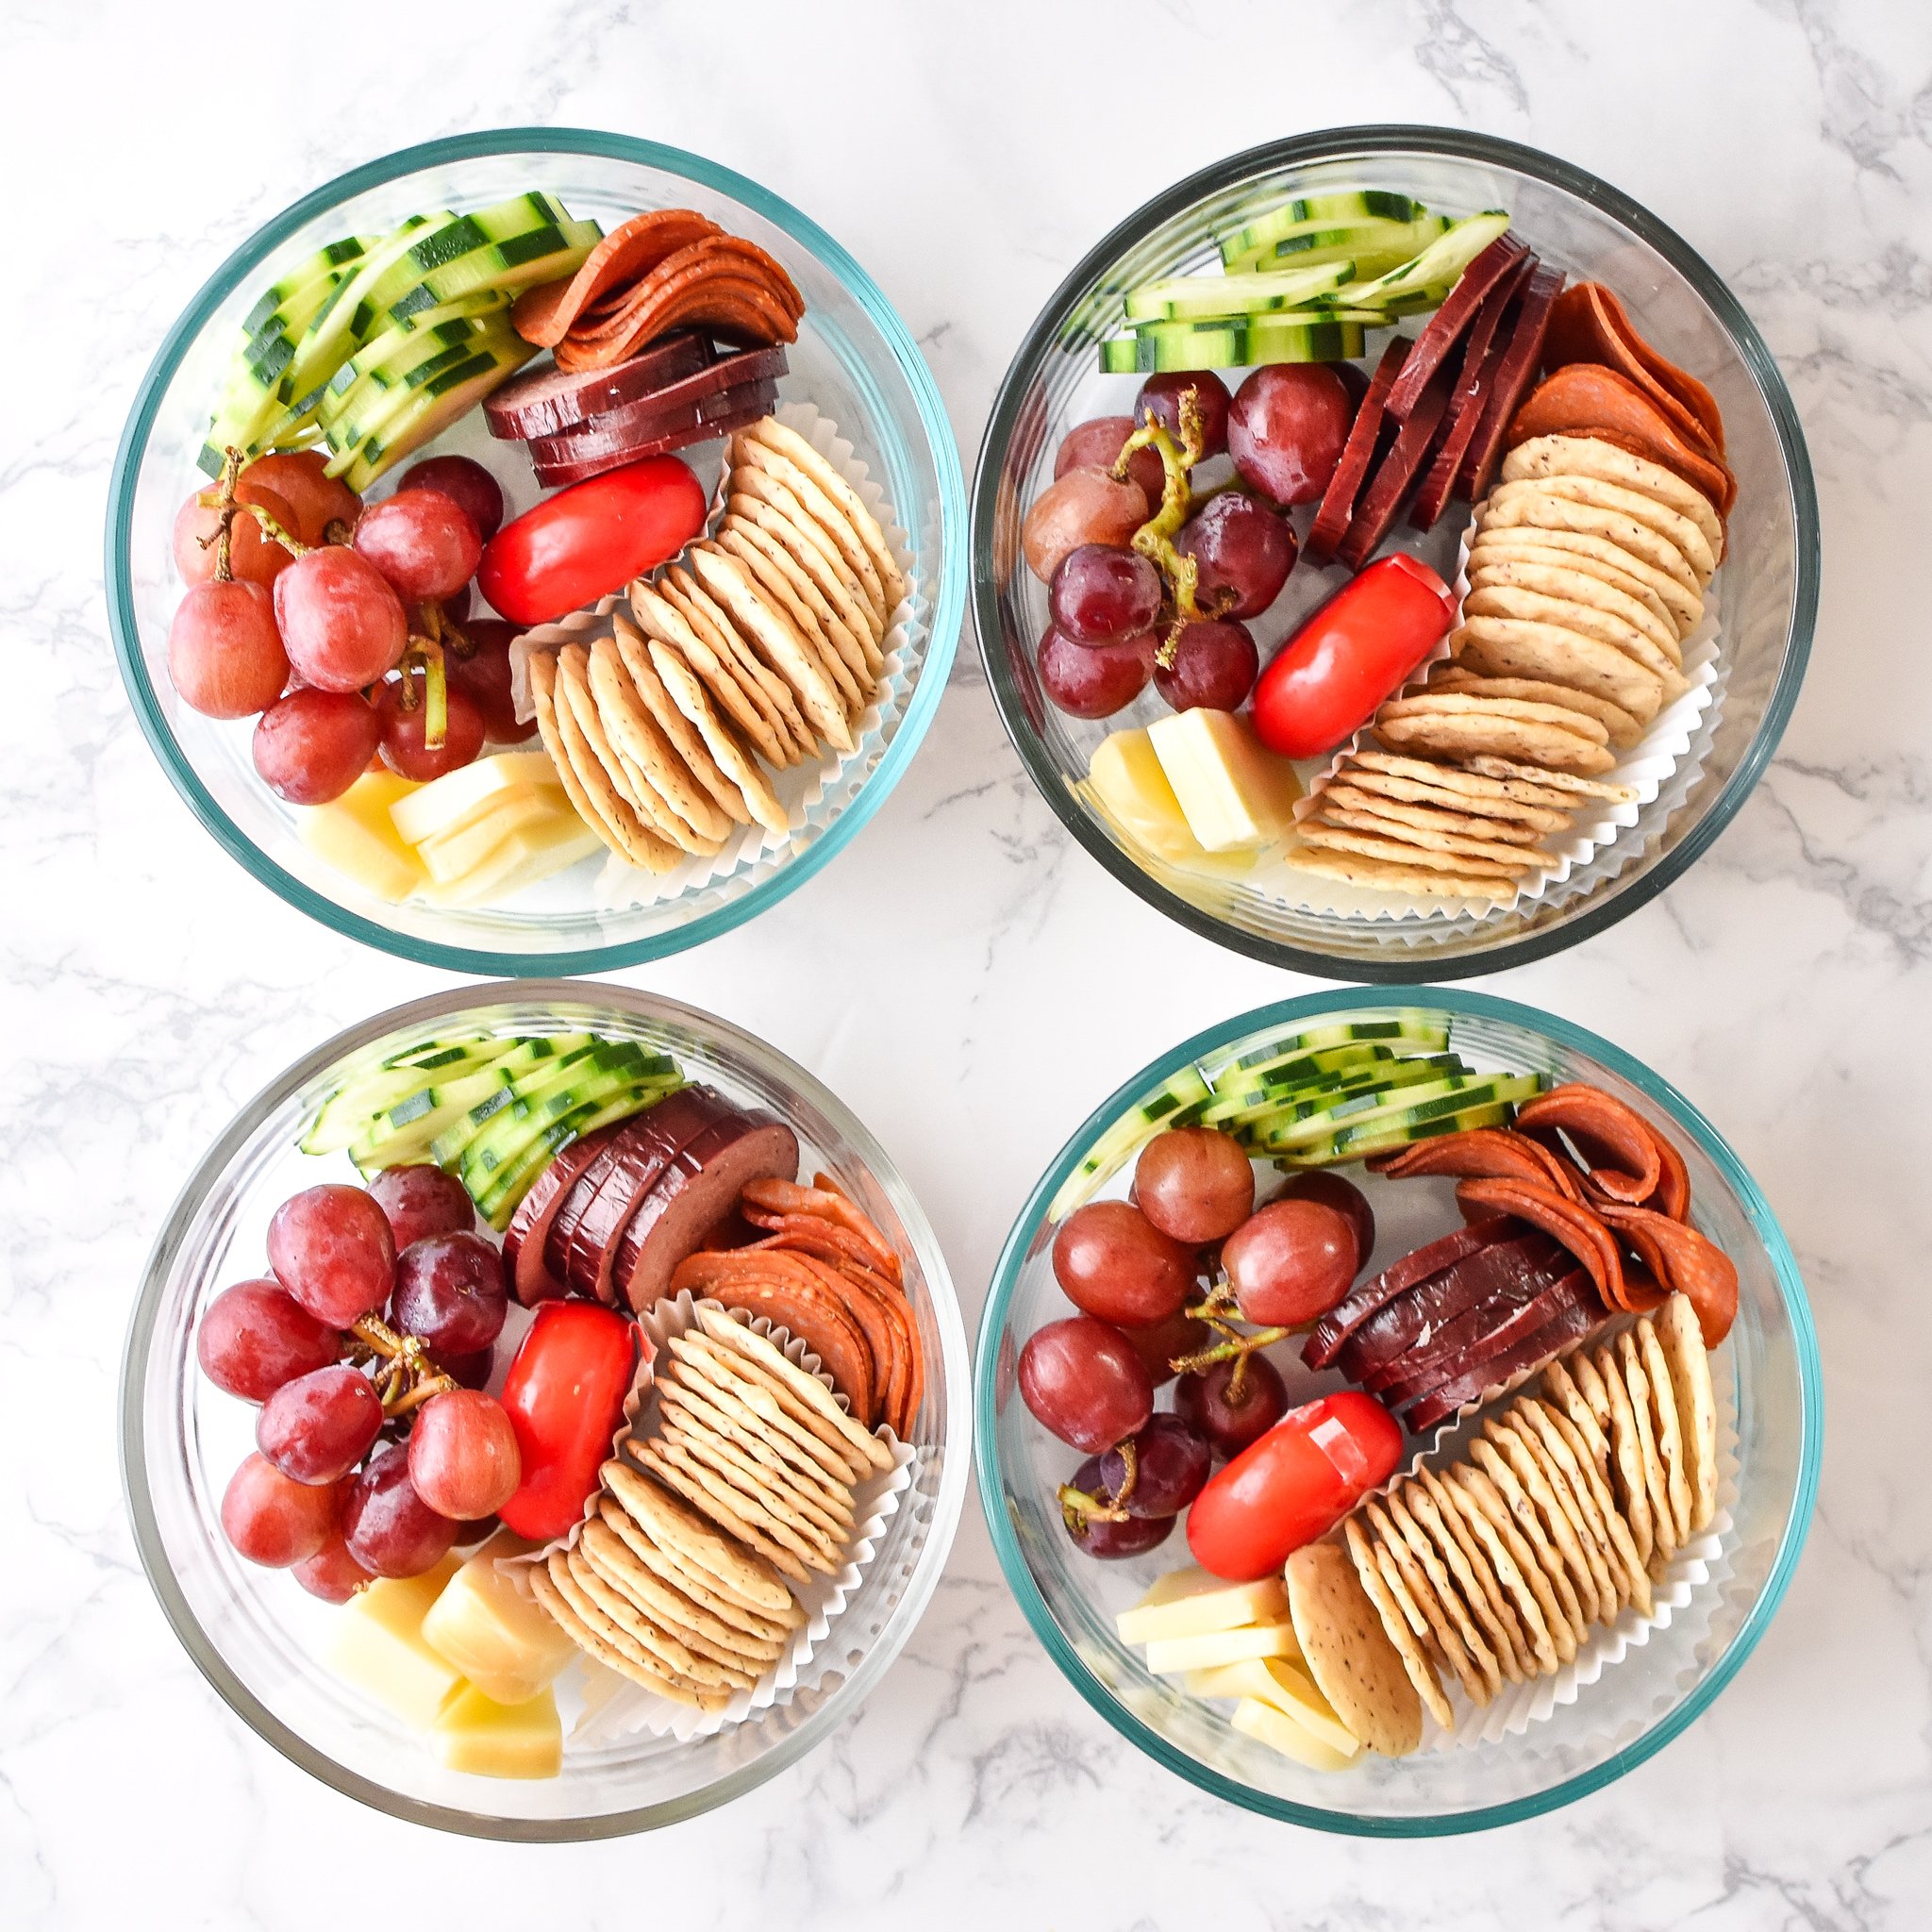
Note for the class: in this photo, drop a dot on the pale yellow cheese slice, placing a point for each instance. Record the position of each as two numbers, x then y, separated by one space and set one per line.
483 1626
1287 1687
474 1733
1169 1656
378 1645
1281 1733
450 856
357 836
521 859
1234 793
460 797
1193 1601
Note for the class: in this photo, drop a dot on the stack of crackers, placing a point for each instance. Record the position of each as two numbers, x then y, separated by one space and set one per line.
1566 1507
1588 568
744 1484
760 647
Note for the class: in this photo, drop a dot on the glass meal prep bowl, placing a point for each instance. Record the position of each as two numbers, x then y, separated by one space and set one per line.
1768 584
258 1636
1640 1702
855 360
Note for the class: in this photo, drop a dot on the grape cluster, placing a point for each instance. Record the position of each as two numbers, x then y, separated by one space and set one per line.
318 618
376 1449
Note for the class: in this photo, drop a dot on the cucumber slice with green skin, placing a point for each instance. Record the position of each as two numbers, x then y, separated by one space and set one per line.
1182 296
1417 1027
499 1201
1237 1089
347 1112
432 409
1437 268
1314 213
590 1081
440 1051
1352 1120
541 255
1327 1154
403 358
326 261
431 270
406 1131
1235 344
1376 247
1176 1103
1338 1096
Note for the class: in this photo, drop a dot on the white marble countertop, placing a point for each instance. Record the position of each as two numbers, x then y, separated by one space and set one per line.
147 986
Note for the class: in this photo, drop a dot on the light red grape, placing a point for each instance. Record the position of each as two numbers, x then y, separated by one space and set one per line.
341 623
1082 506
449 1293
312 745
1289 1262
255 1335
463 1455
299 478
1104 594
317 1427
273 1520
1115 1264
1166 1342
388 1528
425 543
1194 1184
224 654
331 1248
419 1200
484 675
1231 1418
254 555
1242 554
1286 428
1162 394
1081 1379
332 1573
471 1370
1094 680
402 749
1214 667
1097 445
1332 1191
466 483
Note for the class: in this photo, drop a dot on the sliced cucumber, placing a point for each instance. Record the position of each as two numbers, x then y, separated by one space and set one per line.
348 1111
1437 268
460 254
1367 1116
1375 245
438 404
539 255
1413 1025
1315 213
1184 296
591 1077
368 388
432 1053
1177 1102
1235 1090
326 263
1231 343
510 1185
1329 1154
406 1129
1340 1095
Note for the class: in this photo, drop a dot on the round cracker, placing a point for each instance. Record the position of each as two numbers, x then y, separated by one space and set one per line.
847 628
1570 784
767 691
688 694
1558 1523
1642 609
672 1523
1407 1636
1522 647
1470 1569
774 589
590 791
1663 1520
651 1635
1348 1654
752 491
631 783
676 729
1449 703
688 1401
826 473
1603 1389
1463 735
1388 876
1488 600
751 1402
636 729
1552 1641
1519 1422
1410 830
1444 1597
1541 507
1664 1423
746 452
714 1499
1593 1487
794 1504
1586 456
642 1662
768 1514
1352 796
779 574
1494 800
662 617
705 1591
785 1374
1680 532
562 1613
1531 1529
1622 728
701 1629
1398 851
1689 1369
842 598
1681 599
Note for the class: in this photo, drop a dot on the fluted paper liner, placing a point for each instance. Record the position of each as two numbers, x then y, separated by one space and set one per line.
616 1707
835 778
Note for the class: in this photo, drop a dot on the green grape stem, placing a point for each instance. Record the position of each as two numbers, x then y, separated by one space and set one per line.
1155 538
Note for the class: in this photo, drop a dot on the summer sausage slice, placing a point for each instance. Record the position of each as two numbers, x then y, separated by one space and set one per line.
1577 1312
547 401
1335 1327
524 1261
1407 1324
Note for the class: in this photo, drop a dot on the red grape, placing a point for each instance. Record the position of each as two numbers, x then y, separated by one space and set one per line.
425 543
476 1530
466 483
317 1427
449 1293
343 625
332 1573
224 654
463 1455
1102 594
402 749
312 745
484 675
1098 1536
1342 1195
1163 394
254 555
1231 1418
471 1370
386 1525
331 1248
1097 445
1214 666
1081 1379
1195 1184
255 1335
299 478
1166 1342
419 1201
1286 428
273 1520
1094 680
1242 554
1171 1463
1082 506
1291 1262
1114 1263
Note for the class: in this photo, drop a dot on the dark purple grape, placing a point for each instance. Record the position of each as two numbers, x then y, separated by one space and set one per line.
1101 1536
1094 680
1171 1463
449 1293
1215 663
1231 1421
1102 594
1287 429
388 1527
1243 552
1162 394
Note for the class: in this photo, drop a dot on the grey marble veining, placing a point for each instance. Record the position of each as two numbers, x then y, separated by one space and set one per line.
967 157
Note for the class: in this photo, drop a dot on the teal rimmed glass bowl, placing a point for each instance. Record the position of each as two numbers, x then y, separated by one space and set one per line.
1638 1704
1768 585
855 360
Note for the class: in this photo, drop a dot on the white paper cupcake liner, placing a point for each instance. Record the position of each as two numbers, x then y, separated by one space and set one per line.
613 1705
804 789
1663 754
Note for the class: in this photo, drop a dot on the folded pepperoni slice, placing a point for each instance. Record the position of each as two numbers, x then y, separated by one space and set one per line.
543 315
827 1203
1480 1153
1614 1140
1683 1261
1589 324
1578 1228
1673 1196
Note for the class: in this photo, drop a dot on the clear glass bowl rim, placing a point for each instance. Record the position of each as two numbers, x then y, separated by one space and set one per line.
207 1656
949 603
1797 1310
1600 911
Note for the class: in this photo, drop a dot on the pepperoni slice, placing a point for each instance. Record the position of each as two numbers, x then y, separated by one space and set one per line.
1483 1153
1615 1140
1683 1261
779 1197
1578 1228
1587 323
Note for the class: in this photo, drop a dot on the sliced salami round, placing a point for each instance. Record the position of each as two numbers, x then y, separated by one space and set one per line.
543 402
